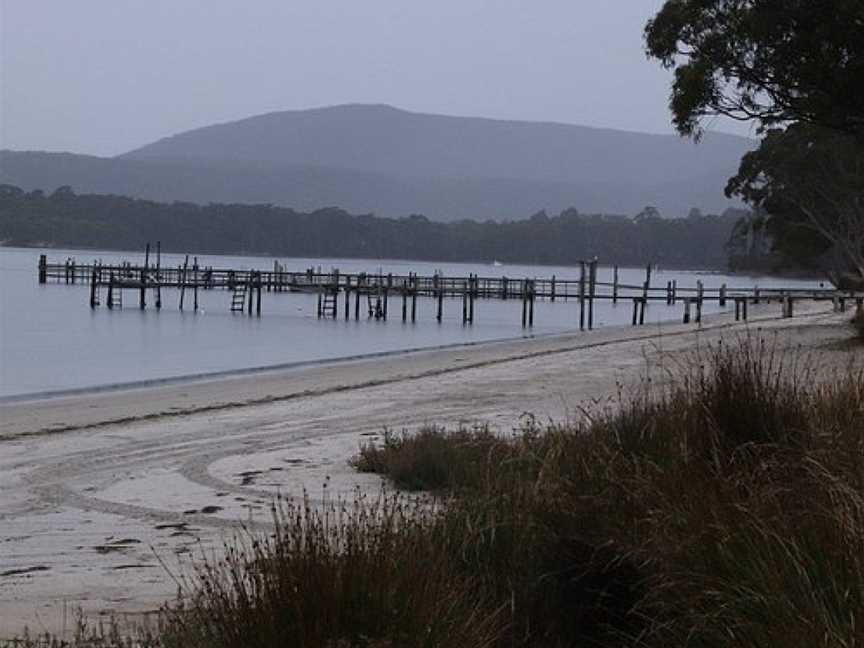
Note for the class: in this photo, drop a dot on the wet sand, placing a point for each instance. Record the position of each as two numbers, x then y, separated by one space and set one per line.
100 492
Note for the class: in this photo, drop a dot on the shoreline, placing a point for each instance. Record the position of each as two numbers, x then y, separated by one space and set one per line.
69 410
91 390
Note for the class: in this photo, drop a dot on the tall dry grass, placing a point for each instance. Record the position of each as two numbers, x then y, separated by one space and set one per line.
725 508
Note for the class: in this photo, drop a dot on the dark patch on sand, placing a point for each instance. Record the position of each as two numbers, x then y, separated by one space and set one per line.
24 570
248 476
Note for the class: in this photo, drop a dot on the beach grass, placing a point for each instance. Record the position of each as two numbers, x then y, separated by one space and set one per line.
726 509
721 506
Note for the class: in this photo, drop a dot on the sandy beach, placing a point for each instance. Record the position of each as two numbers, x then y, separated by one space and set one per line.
101 491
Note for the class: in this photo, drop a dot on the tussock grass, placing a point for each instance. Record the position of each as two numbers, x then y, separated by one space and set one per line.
104 634
361 573
725 508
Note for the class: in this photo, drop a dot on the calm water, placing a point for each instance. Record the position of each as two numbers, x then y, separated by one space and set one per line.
50 340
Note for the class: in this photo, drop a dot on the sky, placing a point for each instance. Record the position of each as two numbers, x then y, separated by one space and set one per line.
106 76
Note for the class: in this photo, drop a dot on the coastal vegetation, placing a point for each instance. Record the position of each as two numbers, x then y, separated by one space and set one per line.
66 219
722 505
793 69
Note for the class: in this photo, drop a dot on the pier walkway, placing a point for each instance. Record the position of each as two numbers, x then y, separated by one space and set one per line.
349 294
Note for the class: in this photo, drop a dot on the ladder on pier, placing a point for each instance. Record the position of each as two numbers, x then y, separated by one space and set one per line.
375 304
115 296
327 303
238 298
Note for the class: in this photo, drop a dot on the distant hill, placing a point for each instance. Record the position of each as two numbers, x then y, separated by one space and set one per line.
368 158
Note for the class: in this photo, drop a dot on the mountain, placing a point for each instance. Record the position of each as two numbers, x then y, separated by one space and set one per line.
370 158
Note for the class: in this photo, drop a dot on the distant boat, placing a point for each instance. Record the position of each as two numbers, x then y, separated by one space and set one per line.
497 264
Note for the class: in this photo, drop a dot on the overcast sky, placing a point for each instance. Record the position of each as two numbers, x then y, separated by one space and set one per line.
105 76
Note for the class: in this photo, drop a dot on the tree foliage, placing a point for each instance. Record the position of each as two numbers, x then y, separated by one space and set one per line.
772 61
64 219
811 181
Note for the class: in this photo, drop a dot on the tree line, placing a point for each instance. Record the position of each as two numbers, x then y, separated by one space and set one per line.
66 219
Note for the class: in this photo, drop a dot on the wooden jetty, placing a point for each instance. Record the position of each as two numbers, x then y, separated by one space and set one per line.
372 293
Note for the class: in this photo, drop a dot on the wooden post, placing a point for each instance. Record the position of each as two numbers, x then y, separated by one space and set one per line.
686 319
635 310
504 288
524 310
440 304
470 306
464 307
183 283
195 287
414 304
700 295
744 308
258 296
110 297
404 302
581 295
93 283
723 295
43 268
319 304
552 298
592 287
756 294
159 275
143 299
674 291
250 288
347 297
530 306
788 308
357 302
386 294
615 284
647 279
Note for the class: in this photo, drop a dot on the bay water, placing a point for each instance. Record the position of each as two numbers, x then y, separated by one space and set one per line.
52 342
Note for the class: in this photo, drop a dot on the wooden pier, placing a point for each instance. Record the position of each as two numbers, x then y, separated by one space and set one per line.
372 294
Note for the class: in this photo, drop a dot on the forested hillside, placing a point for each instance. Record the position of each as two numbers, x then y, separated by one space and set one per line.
65 219
391 162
